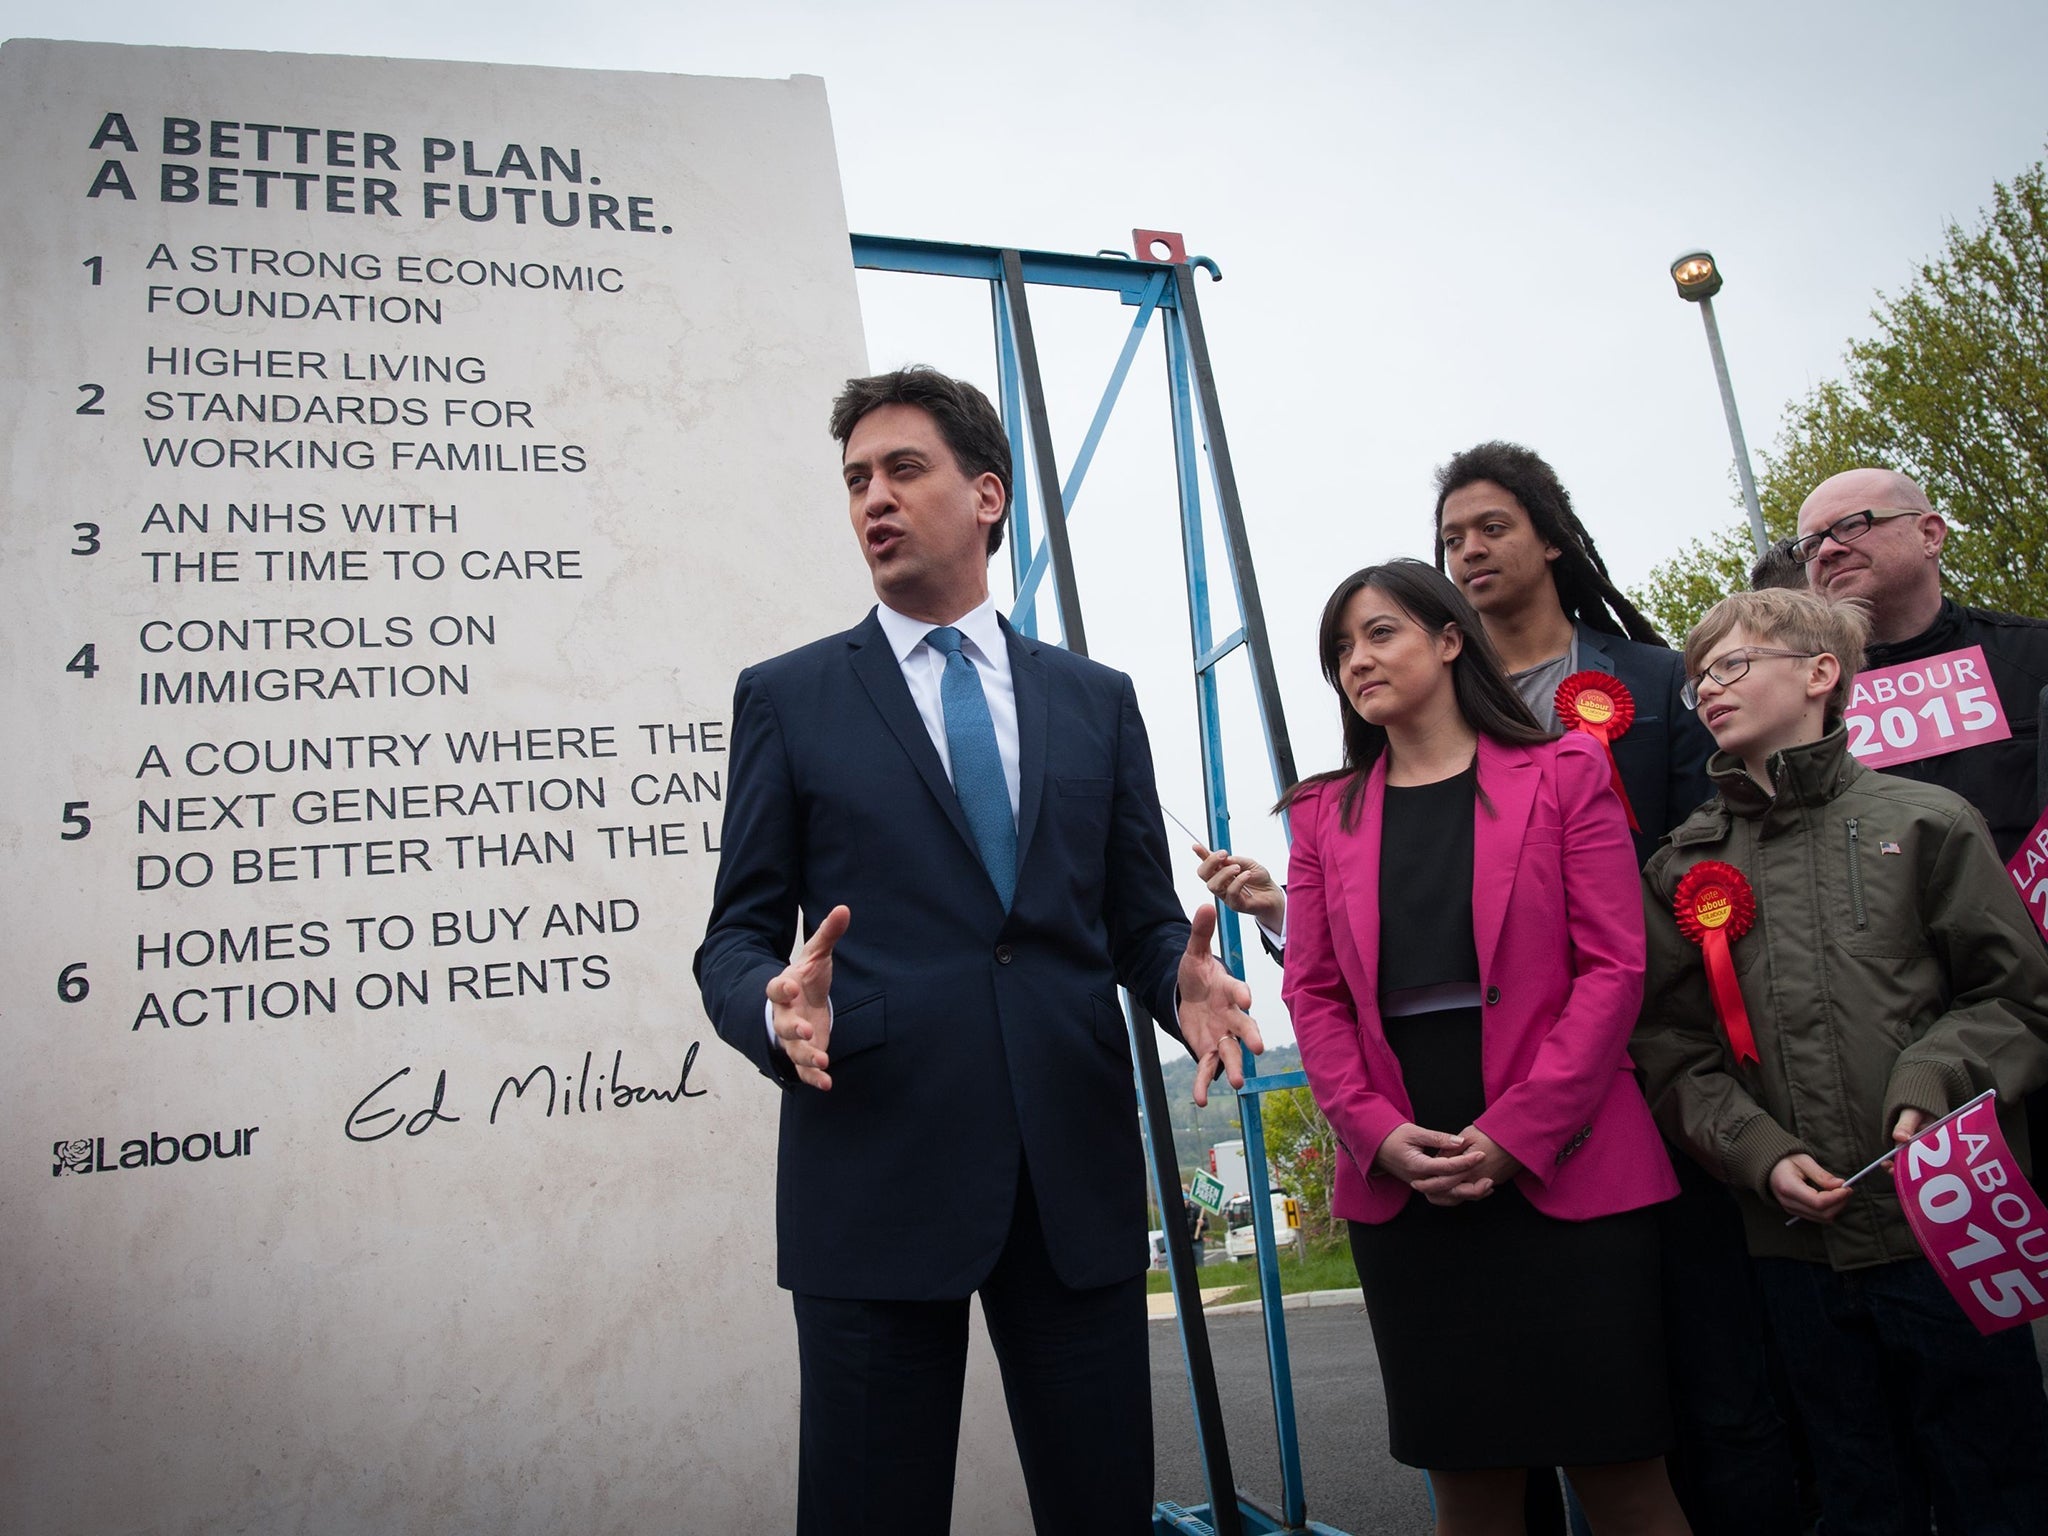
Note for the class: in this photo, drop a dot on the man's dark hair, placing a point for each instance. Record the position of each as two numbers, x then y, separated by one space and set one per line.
962 413
1584 589
1775 567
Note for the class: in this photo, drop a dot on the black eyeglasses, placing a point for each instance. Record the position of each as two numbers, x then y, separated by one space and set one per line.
1846 530
1733 667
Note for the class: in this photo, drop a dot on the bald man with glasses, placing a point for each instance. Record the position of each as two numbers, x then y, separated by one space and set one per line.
1872 535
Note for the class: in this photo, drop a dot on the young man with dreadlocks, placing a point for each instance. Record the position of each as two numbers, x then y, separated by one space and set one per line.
1506 534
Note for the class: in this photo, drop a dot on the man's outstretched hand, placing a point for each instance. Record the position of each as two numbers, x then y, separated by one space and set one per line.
801 1000
1213 1020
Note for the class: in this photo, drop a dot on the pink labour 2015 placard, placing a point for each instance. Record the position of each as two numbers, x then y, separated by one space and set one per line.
1924 708
1977 1219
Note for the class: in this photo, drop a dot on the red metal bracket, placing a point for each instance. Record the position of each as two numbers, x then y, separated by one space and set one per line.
1164 245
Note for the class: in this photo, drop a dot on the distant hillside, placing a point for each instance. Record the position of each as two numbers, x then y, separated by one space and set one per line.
1195 1131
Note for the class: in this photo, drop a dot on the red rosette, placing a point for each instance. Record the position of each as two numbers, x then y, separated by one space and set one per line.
1600 705
1715 906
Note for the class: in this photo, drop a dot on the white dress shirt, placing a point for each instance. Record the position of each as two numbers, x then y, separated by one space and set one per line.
923 665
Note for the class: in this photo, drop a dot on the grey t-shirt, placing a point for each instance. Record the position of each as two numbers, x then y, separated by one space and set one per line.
1538 685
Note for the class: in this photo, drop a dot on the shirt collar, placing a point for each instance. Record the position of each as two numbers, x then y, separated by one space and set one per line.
980 627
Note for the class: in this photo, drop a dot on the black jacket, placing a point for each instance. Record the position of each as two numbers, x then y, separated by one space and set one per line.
2001 778
1663 756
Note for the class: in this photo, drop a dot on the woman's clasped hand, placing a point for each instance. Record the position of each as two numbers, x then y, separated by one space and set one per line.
1446 1169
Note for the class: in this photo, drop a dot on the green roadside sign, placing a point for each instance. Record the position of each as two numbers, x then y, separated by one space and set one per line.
1207 1192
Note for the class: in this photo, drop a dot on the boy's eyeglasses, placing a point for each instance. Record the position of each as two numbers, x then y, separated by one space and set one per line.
1733 667
1845 530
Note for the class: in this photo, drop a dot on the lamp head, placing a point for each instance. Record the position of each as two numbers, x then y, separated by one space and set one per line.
1696 275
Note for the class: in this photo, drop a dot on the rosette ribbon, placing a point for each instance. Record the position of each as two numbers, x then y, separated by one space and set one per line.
1715 906
1600 705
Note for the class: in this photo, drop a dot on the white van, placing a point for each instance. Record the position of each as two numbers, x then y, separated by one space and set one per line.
1241 1241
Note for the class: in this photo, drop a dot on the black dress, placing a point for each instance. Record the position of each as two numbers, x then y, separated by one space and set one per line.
1506 1337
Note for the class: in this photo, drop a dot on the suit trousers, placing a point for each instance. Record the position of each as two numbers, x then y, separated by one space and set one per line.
881 1382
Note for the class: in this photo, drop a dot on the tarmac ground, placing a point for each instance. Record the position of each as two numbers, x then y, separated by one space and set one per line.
1351 1483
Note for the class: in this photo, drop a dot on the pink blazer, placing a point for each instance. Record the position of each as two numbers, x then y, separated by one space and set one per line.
1558 916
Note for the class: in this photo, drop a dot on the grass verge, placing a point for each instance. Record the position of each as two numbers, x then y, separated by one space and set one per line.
1328 1267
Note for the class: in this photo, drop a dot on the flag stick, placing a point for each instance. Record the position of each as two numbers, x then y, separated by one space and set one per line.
1885 1157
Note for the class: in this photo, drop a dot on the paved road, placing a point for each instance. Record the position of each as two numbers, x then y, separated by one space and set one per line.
1351 1481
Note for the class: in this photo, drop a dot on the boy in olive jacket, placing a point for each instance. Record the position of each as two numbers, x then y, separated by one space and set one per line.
1891 974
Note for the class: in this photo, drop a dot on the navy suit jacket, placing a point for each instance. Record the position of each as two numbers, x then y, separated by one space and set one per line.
1663 756
964 1037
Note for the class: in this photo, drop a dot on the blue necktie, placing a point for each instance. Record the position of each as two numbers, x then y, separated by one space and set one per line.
977 765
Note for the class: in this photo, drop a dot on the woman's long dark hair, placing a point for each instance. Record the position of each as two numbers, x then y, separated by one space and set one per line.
1486 699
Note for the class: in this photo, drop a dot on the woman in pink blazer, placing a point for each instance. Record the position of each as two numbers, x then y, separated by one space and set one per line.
1464 964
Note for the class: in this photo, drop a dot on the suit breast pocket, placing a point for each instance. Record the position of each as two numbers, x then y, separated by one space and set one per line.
1081 810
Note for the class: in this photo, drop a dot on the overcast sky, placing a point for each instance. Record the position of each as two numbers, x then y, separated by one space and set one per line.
1436 224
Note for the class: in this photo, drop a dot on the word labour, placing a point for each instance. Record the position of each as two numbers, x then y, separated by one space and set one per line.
158 1149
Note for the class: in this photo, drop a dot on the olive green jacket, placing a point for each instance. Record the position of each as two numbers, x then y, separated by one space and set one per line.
1892 965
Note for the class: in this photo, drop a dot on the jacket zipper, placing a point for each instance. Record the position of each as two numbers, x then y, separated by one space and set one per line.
1856 907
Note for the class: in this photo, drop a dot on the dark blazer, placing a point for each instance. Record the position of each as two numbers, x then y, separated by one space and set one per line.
1663 756
963 1037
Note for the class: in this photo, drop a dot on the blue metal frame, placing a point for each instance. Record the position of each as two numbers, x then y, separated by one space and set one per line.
1038 549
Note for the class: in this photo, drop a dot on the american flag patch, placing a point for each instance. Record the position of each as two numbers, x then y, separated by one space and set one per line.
1889 848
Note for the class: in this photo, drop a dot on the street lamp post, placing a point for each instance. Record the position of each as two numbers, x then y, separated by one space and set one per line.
1698 280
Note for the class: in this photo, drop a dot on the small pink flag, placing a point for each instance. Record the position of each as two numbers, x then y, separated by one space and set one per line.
1976 1217
2029 870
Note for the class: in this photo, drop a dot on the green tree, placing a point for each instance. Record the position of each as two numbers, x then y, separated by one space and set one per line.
1303 1149
1952 390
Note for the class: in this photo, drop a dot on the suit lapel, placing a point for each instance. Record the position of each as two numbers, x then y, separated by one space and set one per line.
875 664
1508 776
1033 691
1358 872
1593 655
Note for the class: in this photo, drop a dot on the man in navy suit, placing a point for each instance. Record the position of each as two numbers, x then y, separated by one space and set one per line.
966 821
